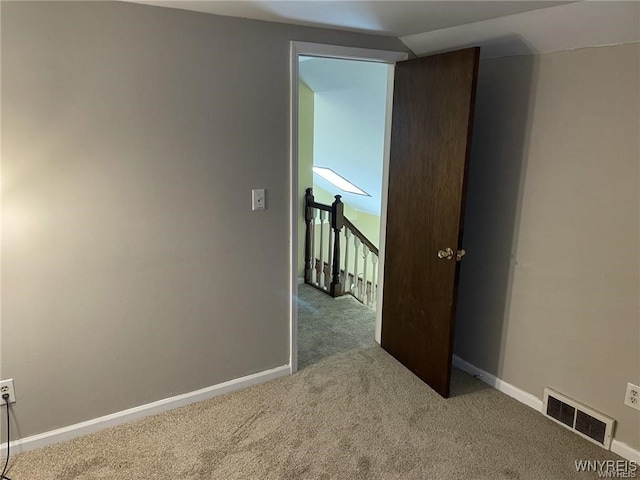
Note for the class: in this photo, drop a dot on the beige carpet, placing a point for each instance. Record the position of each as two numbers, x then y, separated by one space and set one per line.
358 415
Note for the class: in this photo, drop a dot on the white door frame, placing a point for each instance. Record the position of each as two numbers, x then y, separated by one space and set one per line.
347 53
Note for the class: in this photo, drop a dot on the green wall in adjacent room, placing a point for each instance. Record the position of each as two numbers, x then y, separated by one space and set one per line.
305 160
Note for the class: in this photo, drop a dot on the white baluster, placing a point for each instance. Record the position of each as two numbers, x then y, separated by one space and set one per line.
365 254
320 273
374 281
313 242
345 277
356 244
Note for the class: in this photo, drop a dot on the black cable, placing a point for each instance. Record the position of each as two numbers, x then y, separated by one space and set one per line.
5 397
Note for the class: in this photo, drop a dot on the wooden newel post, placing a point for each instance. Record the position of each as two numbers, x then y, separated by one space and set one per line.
308 219
337 222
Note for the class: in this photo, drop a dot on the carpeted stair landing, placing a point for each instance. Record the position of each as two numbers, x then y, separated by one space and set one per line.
329 326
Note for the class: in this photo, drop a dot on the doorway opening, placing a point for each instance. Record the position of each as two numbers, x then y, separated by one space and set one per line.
340 118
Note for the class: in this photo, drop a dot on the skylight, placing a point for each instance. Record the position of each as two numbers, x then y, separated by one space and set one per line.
339 181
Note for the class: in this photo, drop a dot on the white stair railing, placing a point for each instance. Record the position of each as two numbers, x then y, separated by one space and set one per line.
335 276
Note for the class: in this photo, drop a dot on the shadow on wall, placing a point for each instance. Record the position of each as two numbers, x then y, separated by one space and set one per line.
504 99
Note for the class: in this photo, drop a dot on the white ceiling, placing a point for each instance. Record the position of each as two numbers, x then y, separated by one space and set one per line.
331 74
391 18
501 28
564 27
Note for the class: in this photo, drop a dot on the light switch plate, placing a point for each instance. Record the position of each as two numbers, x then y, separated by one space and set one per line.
258 199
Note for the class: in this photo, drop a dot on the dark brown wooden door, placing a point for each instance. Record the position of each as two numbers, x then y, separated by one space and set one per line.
433 103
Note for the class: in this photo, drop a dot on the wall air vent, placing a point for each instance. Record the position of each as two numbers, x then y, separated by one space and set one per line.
586 422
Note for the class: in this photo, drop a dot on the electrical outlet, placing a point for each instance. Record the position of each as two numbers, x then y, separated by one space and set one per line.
6 386
632 398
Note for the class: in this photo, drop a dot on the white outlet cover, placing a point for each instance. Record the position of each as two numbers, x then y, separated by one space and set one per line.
6 386
632 397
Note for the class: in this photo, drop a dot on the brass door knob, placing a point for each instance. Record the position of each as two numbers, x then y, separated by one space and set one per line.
447 254
460 254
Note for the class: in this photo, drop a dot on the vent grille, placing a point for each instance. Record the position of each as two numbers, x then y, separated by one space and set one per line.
561 411
586 422
591 427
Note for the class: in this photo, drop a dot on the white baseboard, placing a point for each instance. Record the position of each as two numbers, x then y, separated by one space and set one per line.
118 418
532 401
500 385
625 451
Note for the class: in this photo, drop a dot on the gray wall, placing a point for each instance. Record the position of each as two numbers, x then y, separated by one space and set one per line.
132 266
549 287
